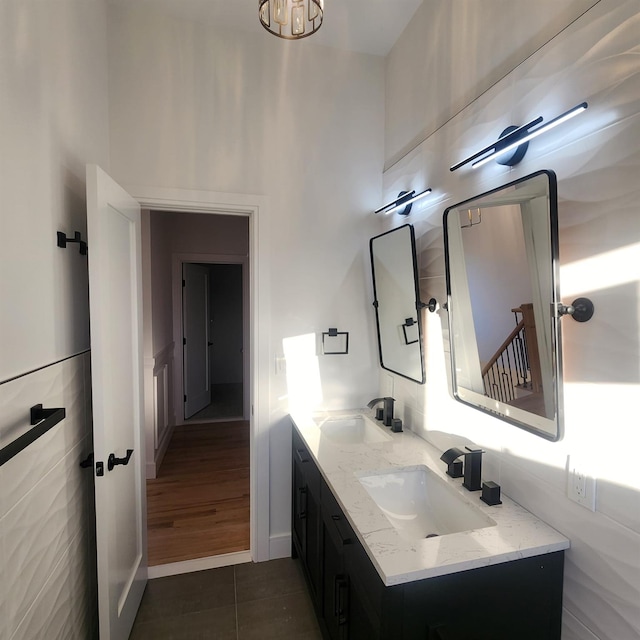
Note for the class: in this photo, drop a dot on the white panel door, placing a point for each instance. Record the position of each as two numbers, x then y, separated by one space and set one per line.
195 324
115 292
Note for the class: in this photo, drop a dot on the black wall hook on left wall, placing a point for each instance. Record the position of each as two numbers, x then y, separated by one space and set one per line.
63 241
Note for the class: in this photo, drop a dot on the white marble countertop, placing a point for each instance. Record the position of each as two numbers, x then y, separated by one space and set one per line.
517 533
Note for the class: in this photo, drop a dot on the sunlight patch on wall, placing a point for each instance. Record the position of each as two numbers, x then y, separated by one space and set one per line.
602 271
603 431
303 373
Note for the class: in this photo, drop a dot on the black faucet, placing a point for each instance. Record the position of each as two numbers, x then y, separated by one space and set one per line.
387 409
450 458
472 466
473 469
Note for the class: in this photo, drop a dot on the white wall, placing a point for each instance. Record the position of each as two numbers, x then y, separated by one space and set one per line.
464 47
161 302
195 108
597 161
53 120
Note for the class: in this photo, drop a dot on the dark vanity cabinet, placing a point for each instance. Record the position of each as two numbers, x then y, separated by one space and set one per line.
519 599
305 525
349 580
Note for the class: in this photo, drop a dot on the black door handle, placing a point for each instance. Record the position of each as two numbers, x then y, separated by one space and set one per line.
87 462
209 344
112 461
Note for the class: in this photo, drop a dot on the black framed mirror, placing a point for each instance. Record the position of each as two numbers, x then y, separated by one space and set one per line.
397 302
501 256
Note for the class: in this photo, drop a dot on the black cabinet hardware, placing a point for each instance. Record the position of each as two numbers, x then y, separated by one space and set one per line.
341 599
302 502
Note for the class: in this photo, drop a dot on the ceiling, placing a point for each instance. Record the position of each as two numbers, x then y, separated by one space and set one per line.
367 26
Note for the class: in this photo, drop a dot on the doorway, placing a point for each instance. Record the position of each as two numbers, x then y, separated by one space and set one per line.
257 210
199 501
214 340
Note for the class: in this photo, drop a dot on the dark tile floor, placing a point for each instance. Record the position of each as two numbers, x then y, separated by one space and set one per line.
264 601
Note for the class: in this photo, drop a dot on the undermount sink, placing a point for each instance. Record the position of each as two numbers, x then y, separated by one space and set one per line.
355 429
421 505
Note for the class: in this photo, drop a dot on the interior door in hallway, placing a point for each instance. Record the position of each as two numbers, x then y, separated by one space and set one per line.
195 323
115 288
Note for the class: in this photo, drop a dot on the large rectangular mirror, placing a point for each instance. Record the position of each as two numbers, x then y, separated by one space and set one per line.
397 302
501 254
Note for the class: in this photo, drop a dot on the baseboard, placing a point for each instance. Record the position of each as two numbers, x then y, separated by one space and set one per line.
163 446
199 564
280 546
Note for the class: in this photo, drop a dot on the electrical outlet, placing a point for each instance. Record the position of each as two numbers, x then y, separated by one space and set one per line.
581 487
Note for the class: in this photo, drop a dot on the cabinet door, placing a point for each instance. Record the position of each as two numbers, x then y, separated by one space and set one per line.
346 612
312 549
299 500
305 517
335 583
361 624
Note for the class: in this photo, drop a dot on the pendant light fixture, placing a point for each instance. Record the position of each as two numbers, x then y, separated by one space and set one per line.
291 19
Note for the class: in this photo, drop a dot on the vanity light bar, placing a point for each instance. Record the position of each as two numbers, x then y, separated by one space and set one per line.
516 138
401 202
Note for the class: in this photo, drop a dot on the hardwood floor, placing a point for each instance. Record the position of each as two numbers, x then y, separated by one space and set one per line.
198 506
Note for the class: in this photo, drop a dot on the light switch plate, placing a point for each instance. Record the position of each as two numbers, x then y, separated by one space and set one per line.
581 486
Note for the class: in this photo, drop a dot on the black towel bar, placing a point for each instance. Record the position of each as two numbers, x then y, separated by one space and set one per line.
43 420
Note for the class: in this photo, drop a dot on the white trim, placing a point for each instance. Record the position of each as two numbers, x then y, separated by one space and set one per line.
157 446
199 564
280 546
163 445
163 356
257 208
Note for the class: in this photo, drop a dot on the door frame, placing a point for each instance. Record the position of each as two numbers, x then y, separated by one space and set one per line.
179 259
256 208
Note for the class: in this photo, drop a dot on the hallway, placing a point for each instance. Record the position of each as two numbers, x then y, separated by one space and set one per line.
198 506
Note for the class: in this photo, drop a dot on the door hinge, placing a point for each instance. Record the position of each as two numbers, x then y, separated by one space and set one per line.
185 398
184 341
184 283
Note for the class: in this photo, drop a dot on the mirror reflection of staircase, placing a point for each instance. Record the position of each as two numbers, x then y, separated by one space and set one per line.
226 402
513 375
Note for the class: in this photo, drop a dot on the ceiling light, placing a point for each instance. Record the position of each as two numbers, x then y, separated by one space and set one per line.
291 19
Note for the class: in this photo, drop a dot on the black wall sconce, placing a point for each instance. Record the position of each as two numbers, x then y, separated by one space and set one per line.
513 142
63 241
403 203
335 342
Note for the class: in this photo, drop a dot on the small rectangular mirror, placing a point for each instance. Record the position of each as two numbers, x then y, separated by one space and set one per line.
397 302
501 254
